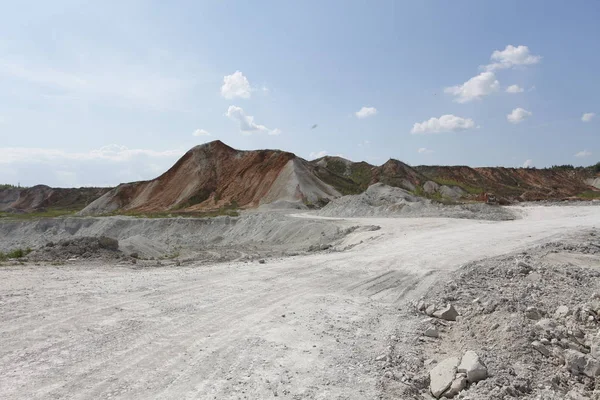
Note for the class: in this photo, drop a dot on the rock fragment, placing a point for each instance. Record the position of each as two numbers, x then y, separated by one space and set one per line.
473 367
458 384
431 332
442 376
561 312
541 348
448 313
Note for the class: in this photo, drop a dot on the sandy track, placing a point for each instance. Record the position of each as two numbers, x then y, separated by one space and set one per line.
299 327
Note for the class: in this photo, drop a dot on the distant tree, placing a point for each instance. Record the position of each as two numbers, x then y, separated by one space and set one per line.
562 167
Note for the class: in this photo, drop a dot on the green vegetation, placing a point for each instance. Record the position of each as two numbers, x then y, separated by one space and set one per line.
14 254
8 186
229 210
590 194
361 174
596 168
467 188
436 196
50 213
564 167
336 166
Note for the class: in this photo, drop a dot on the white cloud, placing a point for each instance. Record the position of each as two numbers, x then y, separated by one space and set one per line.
317 154
445 123
475 88
120 82
514 89
111 152
511 57
106 166
366 112
527 163
587 117
200 132
518 115
583 154
236 85
246 122
424 150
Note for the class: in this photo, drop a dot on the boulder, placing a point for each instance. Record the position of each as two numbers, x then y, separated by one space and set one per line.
430 310
575 361
448 313
442 376
473 367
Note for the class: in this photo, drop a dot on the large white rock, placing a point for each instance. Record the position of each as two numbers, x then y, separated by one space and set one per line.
473 367
442 376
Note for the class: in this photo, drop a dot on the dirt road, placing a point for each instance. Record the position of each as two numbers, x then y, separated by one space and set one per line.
299 327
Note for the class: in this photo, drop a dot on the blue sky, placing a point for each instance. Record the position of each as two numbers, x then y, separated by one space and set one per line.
97 93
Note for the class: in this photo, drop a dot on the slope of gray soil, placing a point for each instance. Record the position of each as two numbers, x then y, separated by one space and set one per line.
220 238
380 200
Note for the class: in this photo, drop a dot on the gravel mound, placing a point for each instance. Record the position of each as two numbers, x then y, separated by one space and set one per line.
380 200
532 318
251 235
101 247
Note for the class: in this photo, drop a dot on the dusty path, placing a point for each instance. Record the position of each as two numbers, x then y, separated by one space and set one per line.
300 327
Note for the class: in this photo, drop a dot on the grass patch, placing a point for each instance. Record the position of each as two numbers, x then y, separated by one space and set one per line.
466 188
51 213
229 210
14 254
336 166
589 194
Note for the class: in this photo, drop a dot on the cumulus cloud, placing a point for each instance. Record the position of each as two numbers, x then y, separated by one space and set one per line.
445 123
511 57
583 154
424 150
527 163
475 88
236 85
518 115
246 122
200 132
587 117
105 166
317 154
514 89
366 112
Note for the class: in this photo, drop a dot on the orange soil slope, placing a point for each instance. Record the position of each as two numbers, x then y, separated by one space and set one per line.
208 177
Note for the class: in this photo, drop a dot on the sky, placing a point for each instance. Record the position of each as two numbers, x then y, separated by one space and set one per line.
98 93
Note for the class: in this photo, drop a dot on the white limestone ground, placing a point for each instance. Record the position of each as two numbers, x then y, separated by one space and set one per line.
307 326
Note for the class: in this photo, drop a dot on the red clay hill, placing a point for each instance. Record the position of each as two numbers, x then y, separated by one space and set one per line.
215 176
